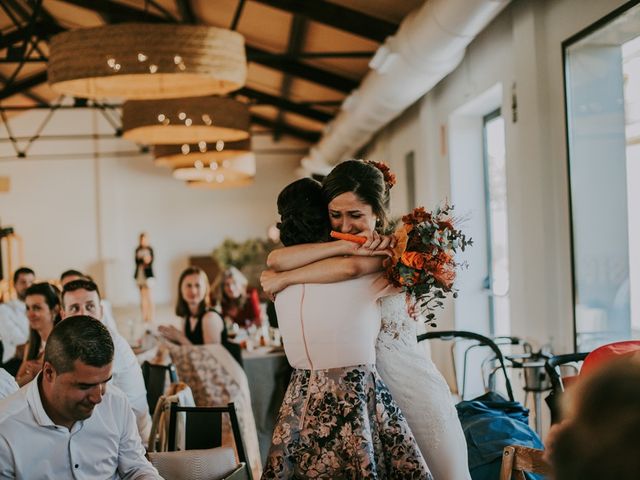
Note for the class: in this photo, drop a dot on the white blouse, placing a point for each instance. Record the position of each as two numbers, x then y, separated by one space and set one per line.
331 325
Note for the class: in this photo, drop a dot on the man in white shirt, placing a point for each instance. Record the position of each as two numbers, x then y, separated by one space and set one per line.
67 423
14 325
107 313
82 297
8 384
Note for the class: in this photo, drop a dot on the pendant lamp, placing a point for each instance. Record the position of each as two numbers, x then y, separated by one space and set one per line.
185 120
147 61
186 155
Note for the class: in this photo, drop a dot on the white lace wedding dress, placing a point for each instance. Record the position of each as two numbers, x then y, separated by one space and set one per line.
421 392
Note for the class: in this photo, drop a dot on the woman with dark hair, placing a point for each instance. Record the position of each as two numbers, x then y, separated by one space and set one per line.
43 310
337 419
202 325
357 195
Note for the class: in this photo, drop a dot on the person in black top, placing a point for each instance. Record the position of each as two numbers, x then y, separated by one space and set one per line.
144 276
202 324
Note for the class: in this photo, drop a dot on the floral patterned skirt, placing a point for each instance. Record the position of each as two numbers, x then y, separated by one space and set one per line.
342 424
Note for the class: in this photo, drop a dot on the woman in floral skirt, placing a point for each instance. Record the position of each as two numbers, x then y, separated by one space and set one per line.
338 419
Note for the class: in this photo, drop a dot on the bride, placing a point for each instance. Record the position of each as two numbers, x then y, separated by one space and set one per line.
357 192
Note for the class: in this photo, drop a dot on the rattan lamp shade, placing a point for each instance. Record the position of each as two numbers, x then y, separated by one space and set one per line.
185 120
228 170
187 155
147 61
201 184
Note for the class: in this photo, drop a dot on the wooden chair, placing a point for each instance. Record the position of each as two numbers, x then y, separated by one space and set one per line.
203 428
211 464
517 459
155 381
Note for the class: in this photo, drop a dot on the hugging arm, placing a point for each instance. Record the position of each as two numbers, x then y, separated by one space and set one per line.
328 270
296 256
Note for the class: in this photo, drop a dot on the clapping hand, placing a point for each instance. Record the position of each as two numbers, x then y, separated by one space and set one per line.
172 334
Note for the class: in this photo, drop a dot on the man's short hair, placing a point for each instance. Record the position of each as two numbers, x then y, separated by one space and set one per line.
80 284
78 338
72 273
22 271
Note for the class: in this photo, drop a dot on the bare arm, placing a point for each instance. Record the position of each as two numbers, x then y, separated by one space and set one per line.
212 326
295 256
329 270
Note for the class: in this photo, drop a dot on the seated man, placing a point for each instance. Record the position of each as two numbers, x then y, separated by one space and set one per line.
8 384
81 297
107 314
14 326
67 422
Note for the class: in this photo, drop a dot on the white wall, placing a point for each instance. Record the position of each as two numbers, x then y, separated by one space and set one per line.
521 50
86 213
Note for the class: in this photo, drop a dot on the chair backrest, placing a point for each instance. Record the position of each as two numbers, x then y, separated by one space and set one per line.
203 428
517 459
210 464
553 368
156 381
553 364
482 340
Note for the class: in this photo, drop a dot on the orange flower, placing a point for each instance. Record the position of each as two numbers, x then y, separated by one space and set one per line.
414 260
402 237
445 276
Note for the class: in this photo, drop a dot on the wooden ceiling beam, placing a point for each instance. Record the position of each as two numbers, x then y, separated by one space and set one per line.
23 84
119 11
337 16
302 70
307 135
186 12
284 104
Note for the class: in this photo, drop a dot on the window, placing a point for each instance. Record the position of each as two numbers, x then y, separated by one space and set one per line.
602 84
497 281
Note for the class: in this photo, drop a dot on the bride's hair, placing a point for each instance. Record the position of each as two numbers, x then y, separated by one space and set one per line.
364 179
303 213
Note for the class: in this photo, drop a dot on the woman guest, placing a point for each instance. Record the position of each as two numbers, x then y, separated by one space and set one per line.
239 303
357 194
43 309
338 419
201 324
144 276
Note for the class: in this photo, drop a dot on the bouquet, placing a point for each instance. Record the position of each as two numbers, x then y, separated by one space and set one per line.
423 261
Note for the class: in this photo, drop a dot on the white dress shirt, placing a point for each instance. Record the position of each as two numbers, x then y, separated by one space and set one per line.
8 384
107 315
104 446
127 376
14 327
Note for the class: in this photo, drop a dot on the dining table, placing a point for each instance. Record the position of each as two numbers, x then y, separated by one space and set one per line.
268 373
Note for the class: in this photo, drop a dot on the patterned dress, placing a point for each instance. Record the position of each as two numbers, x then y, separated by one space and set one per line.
338 419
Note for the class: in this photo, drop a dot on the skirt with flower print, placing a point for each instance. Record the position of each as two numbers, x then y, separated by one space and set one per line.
342 423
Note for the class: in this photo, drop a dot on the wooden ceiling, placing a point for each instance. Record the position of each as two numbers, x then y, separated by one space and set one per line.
304 56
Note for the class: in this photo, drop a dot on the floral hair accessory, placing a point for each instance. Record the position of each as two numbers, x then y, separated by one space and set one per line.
389 177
